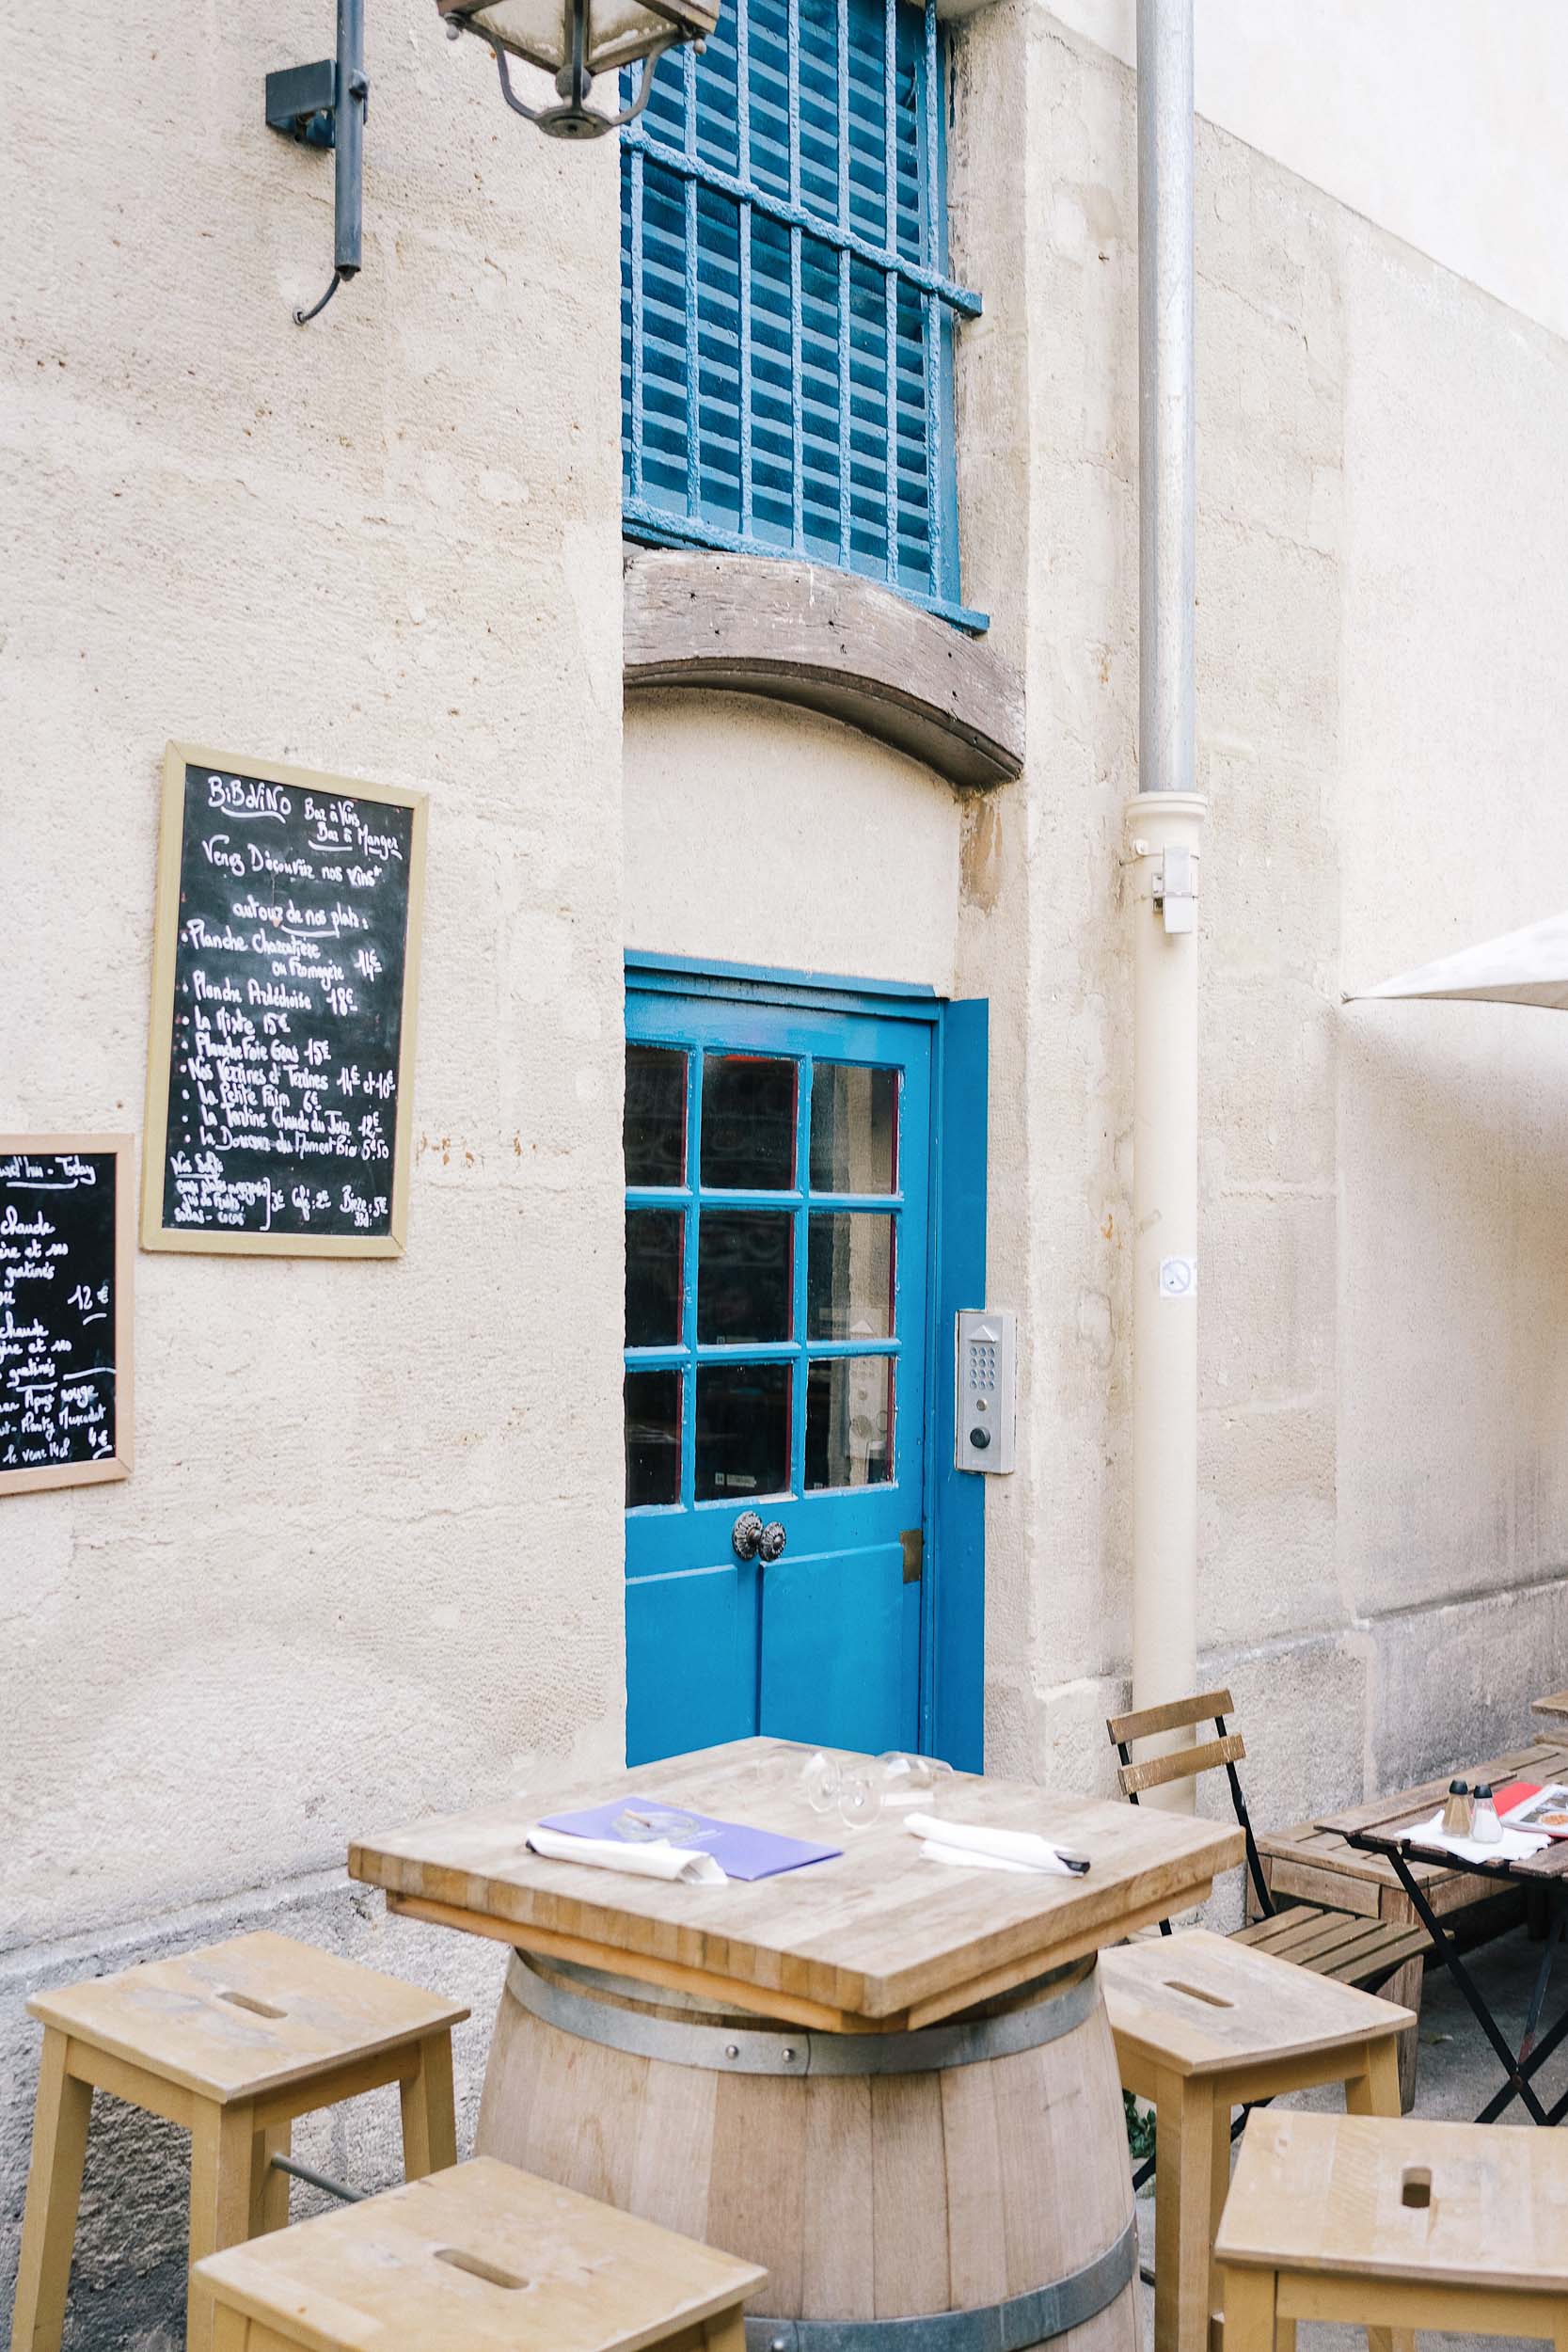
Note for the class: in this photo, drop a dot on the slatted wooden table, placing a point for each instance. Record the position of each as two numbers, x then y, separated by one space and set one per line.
1384 1826
889 2082
1304 1864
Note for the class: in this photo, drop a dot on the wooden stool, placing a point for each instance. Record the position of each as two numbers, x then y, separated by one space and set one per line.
1458 2226
485 2257
231 2042
1203 2024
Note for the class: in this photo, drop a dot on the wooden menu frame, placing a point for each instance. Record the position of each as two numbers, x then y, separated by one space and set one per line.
155 1234
120 1463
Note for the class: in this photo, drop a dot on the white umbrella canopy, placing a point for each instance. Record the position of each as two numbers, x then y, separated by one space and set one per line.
1528 967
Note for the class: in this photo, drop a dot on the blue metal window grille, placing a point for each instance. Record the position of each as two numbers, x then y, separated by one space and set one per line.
787 316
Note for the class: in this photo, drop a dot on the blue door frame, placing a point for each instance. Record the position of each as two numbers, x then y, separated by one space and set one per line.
952 1631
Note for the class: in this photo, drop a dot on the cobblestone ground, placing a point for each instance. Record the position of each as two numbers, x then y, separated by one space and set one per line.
1458 2075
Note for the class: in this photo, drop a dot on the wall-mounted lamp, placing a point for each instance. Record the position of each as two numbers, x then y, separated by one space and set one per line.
575 41
324 104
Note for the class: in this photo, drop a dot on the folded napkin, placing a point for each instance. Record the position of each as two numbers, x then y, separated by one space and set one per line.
1515 1845
656 1859
990 1849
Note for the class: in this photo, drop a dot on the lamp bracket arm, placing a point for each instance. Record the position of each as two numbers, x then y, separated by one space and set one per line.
529 114
646 86
537 113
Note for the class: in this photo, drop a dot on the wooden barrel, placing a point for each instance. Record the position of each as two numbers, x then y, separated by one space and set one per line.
963 2188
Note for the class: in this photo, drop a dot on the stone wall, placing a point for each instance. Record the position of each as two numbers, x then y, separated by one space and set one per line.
369 1562
1381 574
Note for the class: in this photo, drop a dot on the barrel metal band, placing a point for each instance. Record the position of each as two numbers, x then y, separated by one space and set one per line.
1021 2320
794 2050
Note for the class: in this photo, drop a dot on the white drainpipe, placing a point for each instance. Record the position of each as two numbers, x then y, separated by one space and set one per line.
1164 827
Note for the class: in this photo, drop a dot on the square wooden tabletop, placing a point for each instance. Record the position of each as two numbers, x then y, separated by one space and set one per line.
1382 1823
881 1938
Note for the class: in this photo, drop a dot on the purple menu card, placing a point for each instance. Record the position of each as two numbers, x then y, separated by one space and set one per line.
741 1852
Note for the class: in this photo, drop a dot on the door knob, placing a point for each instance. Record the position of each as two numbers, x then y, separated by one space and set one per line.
746 1535
771 1541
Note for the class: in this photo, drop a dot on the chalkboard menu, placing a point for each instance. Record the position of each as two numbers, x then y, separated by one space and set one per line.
66 1251
279 1076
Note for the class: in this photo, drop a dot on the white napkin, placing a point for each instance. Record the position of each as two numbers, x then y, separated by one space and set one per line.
1515 1845
987 1848
657 1859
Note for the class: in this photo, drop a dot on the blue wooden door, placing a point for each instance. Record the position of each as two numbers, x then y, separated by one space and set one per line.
778 1172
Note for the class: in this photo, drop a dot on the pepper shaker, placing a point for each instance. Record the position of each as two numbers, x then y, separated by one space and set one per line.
1459 1812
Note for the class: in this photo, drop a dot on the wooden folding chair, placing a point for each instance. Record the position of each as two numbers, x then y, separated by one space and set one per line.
1372 1955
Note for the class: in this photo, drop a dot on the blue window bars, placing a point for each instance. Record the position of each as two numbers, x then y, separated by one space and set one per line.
787 316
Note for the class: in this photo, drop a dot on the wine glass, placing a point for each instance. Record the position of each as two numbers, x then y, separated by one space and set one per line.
819 1781
859 1796
911 1780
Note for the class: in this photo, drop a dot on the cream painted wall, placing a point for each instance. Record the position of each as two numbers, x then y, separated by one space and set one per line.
1348 533
759 833
1443 121
1381 684
1453 1119
366 1565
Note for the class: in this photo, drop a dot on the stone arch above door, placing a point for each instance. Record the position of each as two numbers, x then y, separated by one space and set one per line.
830 641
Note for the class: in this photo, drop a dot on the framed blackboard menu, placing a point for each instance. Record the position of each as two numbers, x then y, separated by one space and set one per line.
67 1245
285 969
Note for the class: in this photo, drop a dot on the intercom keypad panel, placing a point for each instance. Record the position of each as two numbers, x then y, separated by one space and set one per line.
987 1343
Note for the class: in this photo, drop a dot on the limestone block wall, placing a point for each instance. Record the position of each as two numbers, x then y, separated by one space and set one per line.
1380 675
1452 1119
369 1558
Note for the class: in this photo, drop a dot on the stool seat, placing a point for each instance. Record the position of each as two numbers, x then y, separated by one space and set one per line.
1202 2003
1202 2025
243 2018
1366 2197
482 2256
232 2043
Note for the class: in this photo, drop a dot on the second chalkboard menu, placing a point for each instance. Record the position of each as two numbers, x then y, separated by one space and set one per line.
66 1246
284 982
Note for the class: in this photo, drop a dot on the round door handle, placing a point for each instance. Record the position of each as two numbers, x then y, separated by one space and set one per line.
771 1541
746 1535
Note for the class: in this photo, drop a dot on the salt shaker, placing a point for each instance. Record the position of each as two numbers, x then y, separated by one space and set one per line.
1486 1828
1459 1810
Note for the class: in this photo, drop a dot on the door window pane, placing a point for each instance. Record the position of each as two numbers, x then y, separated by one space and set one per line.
850 1277
744 1261
653 1126
654 1241
743 1430
854 1129
653 1438
849 1422
748 1122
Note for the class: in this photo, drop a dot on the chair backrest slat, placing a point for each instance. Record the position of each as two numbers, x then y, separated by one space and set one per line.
1184 1764
1175 1716
1223 1752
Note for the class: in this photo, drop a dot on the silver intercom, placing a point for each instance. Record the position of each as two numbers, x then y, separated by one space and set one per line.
987 1357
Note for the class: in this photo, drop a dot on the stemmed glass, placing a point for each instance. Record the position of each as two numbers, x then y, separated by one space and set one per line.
860 1795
